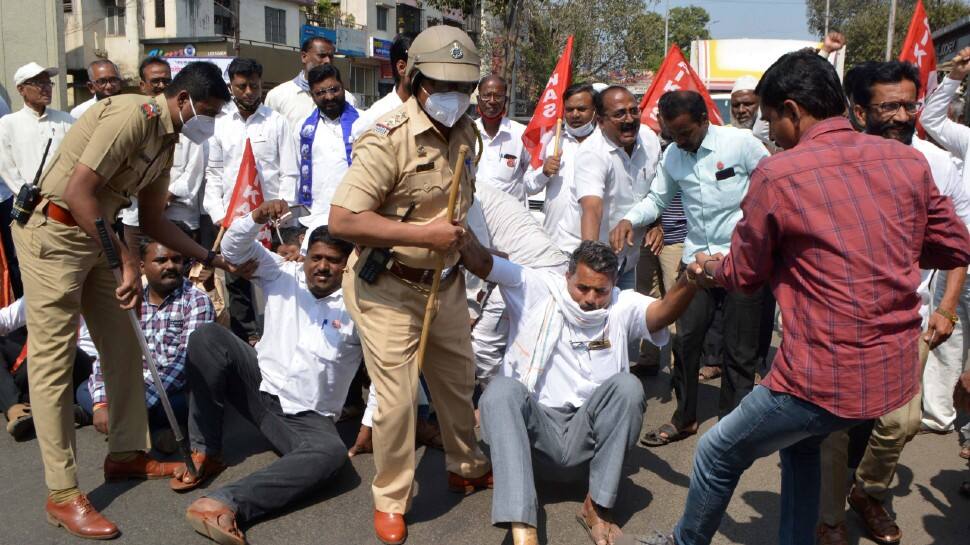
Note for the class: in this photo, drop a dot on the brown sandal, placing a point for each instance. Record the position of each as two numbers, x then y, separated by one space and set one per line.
600 531
206 467
207 523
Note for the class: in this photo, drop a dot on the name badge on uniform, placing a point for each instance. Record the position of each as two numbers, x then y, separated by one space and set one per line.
724 174
425 167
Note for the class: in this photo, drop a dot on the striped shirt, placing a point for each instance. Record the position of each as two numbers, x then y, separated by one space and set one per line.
673 221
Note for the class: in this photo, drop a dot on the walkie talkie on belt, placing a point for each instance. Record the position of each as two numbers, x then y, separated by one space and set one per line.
377 260
29 194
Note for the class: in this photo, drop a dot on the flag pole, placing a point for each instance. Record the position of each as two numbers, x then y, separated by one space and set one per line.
890 30
555 149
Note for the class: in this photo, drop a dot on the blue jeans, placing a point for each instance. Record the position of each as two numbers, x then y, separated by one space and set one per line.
156 415
763 423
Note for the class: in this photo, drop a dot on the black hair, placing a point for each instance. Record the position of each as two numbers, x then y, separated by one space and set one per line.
291 235
864 76
322 72
598 98
399 52
673 104
578 88
597 256
202 80
322 234
308 43
805 78
245 68
148 61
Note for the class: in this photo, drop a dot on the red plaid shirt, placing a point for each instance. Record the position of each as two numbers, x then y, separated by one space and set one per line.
840 225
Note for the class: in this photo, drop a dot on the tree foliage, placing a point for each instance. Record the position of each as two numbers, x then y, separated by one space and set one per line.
865 23
686 24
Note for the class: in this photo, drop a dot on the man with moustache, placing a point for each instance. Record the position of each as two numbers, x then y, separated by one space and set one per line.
884 103
556 174
504 159
104 80
291 386
292 98
171 309
272 143
324 140
710 167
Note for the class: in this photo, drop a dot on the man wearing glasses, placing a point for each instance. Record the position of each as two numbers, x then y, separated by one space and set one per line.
104 80
504 159
23 137
710 166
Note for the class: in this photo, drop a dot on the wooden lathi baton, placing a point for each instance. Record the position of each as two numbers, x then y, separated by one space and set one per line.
115 264
440 265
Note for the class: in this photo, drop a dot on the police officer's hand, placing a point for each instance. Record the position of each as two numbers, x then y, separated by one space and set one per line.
100 419
129 292
270 210
621 235
444 236
551 166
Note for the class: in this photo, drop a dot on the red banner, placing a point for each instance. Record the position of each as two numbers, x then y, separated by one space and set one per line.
549 110
918 49
675 74
247 194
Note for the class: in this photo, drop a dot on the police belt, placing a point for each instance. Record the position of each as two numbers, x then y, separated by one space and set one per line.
422 277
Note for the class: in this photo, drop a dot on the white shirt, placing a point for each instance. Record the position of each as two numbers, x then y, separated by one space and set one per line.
329 161
276 159
14 317
573 372
294 103
23 137
504 159
954 137
186 176
607 171
79 110
377 110
310 351
561 207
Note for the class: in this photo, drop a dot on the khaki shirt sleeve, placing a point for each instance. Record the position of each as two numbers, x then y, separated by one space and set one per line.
373 173
120 132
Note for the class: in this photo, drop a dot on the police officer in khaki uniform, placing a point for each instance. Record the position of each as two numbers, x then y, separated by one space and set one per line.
120 148
405 162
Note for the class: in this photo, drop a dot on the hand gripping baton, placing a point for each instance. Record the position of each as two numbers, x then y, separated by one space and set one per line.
115 264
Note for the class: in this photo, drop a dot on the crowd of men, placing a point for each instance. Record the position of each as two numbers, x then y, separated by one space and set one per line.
818 200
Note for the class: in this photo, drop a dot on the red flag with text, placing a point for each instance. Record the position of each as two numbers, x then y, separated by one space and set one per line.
918 49
549 111
675 74
247 194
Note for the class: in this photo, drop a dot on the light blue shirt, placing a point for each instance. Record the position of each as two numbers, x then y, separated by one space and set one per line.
712 206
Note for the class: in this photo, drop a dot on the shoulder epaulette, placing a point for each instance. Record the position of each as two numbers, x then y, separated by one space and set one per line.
150 109
385 126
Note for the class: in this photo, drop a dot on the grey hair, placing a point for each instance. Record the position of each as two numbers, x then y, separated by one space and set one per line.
100 62
595 255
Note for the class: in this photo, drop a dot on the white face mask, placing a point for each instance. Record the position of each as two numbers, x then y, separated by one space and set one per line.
198 128
447 108
582 131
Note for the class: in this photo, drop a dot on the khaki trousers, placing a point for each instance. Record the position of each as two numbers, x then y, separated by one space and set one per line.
878 465
655 275
389 315
65 275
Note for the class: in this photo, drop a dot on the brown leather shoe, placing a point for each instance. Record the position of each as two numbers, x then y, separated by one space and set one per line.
462 485
831 535
390 527
881 526
207 467
216 521
141 466
80 518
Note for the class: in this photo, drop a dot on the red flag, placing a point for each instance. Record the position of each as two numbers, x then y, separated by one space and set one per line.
549 110
918 49
247 194
675 74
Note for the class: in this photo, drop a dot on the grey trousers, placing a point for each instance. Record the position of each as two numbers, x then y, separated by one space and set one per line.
223 369
515 425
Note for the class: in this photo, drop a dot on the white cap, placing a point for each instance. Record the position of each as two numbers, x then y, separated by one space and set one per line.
744 83
30 70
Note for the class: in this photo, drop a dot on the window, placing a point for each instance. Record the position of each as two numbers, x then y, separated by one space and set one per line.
114 20
222 18
275 25
68 6
159 13
382 18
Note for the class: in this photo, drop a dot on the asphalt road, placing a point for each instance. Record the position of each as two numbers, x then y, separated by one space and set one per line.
925 497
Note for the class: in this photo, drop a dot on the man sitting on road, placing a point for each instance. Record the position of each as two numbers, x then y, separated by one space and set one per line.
291 386
566 393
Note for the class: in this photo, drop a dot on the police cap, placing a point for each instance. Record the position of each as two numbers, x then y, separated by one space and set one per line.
444 53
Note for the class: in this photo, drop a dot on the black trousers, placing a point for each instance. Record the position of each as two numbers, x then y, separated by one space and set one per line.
242 308
222 369
6 207
13 386
742 332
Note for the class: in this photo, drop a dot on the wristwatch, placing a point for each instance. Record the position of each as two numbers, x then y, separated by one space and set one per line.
209 258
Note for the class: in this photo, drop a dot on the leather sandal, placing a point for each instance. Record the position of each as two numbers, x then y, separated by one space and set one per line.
215 523
206 467
666 434
600 530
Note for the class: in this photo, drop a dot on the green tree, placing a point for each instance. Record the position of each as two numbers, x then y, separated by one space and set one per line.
865 22
647 50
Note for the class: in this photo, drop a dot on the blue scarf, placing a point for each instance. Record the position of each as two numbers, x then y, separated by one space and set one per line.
301 82
307 134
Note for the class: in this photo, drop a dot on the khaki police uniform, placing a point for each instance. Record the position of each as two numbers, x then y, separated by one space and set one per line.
129 140
405 159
